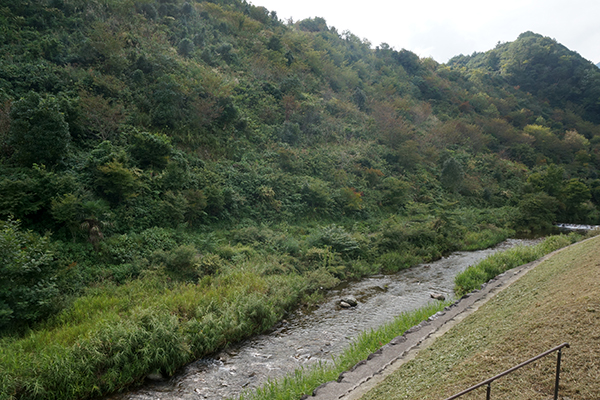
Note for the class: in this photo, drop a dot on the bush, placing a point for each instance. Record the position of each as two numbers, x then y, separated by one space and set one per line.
209 264
340 241
251 234
395 261
186 263
181 263
235 253
151 150
28 271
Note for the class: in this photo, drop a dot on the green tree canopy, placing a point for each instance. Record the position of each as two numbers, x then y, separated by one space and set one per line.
38 131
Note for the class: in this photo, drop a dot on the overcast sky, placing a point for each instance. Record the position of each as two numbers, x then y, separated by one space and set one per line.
443 28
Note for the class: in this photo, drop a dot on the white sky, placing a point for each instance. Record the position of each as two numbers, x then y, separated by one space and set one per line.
444 28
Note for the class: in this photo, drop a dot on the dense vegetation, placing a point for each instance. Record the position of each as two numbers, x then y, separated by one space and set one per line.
211 150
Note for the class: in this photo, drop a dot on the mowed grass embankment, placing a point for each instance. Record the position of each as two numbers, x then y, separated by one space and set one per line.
558 301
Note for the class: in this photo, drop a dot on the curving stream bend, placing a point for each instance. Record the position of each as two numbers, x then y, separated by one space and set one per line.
308 336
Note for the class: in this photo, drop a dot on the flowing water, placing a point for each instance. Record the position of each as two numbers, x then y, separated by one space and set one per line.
308 336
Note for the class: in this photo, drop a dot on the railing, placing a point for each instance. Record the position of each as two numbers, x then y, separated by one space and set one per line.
488 382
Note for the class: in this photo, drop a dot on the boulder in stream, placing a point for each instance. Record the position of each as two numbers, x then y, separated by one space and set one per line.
438 296
155 376
349 300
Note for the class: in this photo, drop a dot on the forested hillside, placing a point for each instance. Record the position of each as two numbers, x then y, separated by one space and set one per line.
208 147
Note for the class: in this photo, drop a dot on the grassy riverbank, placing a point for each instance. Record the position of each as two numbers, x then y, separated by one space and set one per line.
494 265
558 301
114 335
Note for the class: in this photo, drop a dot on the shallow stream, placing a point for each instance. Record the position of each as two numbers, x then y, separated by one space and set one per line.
308 336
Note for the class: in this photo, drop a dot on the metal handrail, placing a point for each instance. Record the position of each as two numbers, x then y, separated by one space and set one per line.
488 382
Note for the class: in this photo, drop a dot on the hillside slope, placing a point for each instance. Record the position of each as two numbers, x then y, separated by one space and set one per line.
171 112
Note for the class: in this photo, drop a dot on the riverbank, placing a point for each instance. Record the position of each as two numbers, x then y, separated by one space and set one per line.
194 296
312 336
63 363
557 301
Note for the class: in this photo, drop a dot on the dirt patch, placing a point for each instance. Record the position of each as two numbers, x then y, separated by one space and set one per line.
558 301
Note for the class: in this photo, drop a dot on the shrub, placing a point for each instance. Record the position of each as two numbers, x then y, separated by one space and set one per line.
185 47
395 261
182 259
151 150
185 263
28 271
350 200
234 253
324 258
116 181
340 241
452 175
209 264
286 245
251 234
317 196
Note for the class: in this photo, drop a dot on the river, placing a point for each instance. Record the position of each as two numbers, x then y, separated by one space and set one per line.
307 336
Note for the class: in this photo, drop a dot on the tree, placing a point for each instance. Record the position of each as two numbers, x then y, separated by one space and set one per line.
38 131
185 47
574 195
537 211
317 24
116 181
151 150
452 175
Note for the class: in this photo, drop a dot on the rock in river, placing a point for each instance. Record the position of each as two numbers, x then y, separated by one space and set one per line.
349 300
438 296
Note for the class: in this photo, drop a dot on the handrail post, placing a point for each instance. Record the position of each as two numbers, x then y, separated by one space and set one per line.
558 357
488 382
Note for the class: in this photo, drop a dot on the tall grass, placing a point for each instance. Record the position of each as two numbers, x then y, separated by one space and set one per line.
485 238
305 380
113 337
497 263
